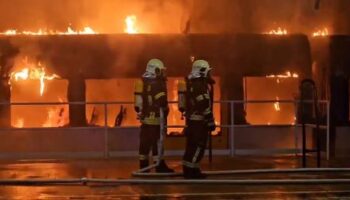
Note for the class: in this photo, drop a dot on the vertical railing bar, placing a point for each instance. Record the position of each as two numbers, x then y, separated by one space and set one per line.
328 130
232 131
296 128
106 153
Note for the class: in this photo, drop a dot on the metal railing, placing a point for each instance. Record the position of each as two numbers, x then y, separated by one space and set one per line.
231 126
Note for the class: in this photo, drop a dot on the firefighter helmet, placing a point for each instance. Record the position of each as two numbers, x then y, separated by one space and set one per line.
200 68
155 67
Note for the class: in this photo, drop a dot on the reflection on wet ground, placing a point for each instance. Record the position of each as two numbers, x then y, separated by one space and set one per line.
122 168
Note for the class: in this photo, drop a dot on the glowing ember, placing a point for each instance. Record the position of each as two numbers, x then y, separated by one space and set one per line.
321 33
288 74
70 31
33 72
19 123
130 22
278 31
277 105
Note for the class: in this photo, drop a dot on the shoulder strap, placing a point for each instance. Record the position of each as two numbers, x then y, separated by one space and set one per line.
211 92
145 93
189 95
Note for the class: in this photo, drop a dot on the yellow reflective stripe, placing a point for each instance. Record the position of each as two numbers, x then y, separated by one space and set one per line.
151 121
160 94
194 159
197 117
207 111
156 158
200 98
190 165
143 157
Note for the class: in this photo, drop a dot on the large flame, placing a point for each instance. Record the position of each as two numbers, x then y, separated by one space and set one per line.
321 33
130 23
288 74
19 123
70 31
33 72
278 31
57 116
277 105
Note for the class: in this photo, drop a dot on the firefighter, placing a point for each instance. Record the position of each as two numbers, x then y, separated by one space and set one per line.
150 96
195 102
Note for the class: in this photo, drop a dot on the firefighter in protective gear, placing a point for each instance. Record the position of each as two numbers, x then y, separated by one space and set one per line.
150 96
195 102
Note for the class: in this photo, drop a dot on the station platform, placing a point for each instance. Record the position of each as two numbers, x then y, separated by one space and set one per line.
121 168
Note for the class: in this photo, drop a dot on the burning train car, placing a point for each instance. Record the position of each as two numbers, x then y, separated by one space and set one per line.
102 68
70 93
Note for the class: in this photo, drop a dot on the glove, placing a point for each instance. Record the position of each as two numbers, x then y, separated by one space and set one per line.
211 125
139 116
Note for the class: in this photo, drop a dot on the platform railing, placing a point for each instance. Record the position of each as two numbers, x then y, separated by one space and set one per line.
231 123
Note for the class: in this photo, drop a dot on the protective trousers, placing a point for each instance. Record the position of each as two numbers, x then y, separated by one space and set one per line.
148 141
197 136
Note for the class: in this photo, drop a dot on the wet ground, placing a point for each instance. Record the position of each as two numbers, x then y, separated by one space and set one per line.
121 168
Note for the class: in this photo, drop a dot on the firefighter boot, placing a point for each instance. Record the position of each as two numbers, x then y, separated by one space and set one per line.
144 164
187 172
197 174
163 168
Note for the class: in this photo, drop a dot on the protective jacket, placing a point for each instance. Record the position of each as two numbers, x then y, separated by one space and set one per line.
195 99
150 96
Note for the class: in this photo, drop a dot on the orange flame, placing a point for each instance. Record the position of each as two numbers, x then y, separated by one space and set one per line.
57 116
130 22
288 74
321 33
70 31
33 72
278 31
19 123
277 105
10 32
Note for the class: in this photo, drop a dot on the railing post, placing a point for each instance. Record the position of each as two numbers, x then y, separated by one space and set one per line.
328 129
296 128
106 150
232 132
